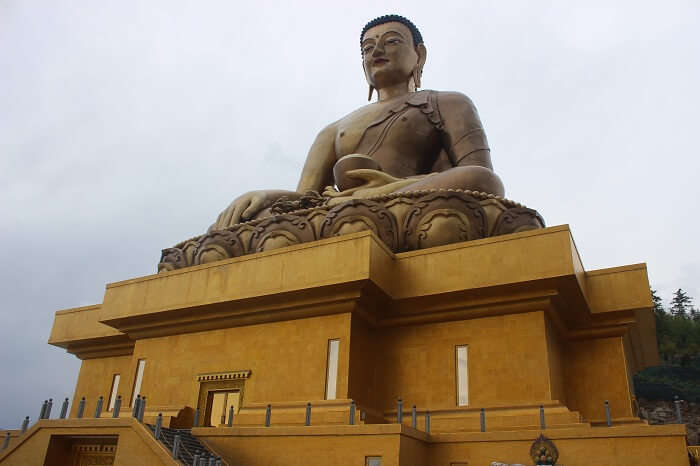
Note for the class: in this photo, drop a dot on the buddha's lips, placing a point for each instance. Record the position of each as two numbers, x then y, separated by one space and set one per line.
380 61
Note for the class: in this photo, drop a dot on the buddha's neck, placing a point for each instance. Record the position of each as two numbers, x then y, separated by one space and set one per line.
395 90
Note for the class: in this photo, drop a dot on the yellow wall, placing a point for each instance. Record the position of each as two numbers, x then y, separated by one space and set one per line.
135 445
556 362
95 380
348 445
637 451
364 347
417 363
414 452
595 372
303 450
513 360
287 360
288 363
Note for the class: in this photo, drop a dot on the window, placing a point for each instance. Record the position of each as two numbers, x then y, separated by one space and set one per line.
138 379
332 369
113 393
462 376
373 461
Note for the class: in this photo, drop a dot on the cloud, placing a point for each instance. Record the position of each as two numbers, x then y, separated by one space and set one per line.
126 127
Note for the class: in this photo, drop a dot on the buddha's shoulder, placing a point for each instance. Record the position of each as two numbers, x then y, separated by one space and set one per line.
446 99
453 98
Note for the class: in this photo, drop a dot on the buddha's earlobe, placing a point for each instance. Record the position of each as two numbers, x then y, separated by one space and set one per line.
418 70
416 77
371 91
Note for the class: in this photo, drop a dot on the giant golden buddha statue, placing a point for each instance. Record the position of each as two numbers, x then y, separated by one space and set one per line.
414 167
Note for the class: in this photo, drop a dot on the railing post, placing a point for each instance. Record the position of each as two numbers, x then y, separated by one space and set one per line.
483 420
268 414
218 462
195 422
176 445
608 420
25 424
43 409
6 442
414 417
117 406
307 421
230 416
352 413
81 407
137 404
399 411
98 408
64 409
679 416
212 460
47 414
195 461
142 408
542 423
427 422
159 426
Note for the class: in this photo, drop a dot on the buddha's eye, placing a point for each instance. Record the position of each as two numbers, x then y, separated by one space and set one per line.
367 49
393 41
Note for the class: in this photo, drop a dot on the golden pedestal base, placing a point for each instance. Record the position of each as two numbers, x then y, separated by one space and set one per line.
540 331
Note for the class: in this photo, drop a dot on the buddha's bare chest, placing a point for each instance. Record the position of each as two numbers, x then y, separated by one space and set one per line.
401 140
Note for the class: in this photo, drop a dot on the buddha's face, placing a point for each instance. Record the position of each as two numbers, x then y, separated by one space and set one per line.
388 54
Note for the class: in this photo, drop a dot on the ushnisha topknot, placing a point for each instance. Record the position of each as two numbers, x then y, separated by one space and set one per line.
417 37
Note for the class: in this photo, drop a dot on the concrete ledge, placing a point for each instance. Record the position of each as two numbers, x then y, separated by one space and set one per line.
333 430
584 432
522 272
37 438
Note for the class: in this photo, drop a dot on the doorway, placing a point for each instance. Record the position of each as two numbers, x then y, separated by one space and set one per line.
219 402
218 391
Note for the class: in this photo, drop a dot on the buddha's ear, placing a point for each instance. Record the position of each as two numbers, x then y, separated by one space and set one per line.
418 70
371 88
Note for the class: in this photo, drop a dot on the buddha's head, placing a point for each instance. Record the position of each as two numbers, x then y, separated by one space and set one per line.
392 52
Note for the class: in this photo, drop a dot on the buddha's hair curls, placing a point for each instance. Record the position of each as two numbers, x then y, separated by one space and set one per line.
417 37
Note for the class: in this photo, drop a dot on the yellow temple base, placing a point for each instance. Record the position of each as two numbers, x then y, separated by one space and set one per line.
494 341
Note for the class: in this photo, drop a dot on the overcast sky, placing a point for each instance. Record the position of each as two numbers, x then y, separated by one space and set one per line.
127 126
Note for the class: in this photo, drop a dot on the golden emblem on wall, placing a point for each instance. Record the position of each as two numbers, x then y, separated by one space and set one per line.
543 451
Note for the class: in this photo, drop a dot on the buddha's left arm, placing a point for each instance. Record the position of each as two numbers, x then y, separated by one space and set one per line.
465 143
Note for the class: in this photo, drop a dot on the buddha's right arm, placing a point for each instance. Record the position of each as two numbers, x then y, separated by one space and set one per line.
318 168
317 173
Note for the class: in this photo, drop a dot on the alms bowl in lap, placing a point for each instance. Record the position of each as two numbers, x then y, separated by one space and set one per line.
404 221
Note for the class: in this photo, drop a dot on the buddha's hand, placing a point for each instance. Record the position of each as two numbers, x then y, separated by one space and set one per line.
374 183
242 208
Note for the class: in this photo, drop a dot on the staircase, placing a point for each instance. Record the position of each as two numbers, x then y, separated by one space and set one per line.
189 447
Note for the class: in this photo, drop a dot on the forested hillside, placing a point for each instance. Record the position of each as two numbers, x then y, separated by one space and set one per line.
678 334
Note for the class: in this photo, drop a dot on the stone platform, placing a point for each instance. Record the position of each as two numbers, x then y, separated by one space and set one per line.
541 332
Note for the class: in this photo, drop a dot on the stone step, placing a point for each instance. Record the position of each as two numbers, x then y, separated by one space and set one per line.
189 444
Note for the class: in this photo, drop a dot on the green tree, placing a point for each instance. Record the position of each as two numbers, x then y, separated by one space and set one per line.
658 304
695 315
678 335
681 304
660 317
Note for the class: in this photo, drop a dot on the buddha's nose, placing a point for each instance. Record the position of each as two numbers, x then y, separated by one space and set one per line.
378 50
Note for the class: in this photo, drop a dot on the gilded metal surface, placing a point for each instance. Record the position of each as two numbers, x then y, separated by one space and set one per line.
403 221
409 141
